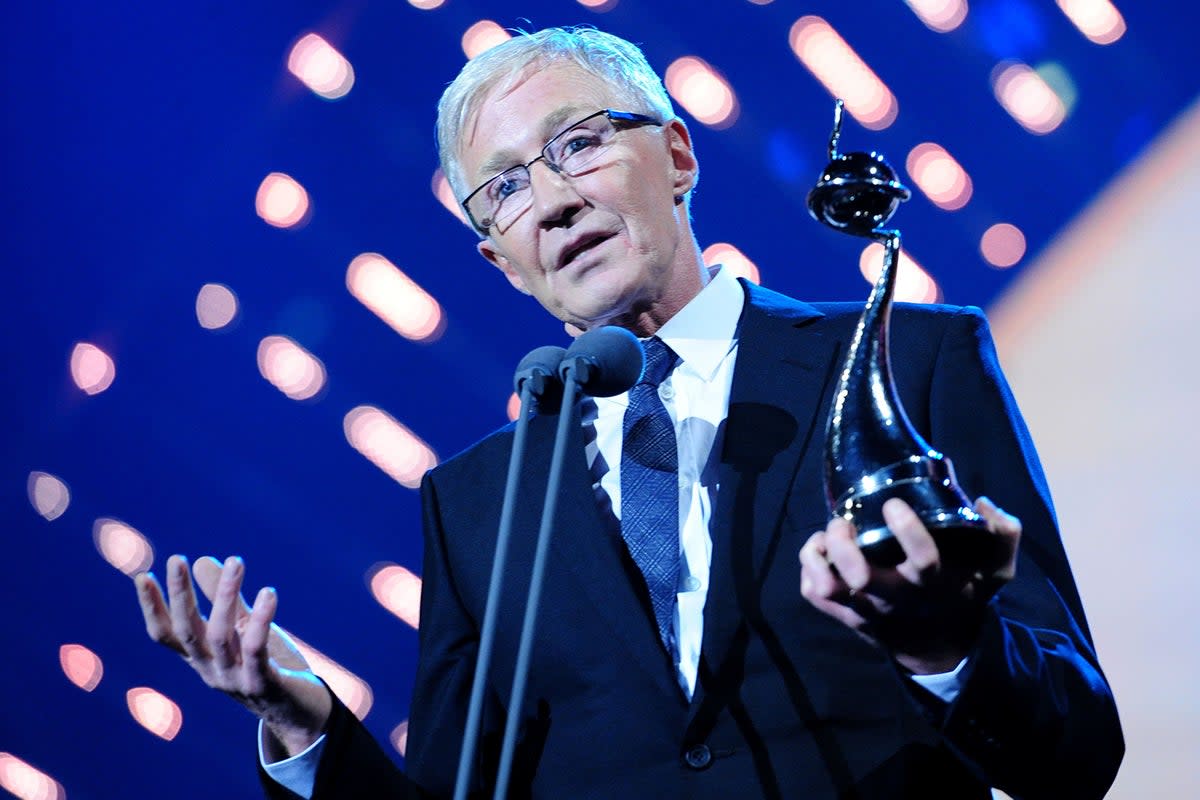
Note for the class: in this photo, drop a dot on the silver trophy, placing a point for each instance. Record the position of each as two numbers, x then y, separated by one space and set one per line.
872 451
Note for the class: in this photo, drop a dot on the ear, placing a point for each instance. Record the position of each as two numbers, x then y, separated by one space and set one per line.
683 159
501 262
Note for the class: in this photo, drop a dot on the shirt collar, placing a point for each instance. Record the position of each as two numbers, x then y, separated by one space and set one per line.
704 330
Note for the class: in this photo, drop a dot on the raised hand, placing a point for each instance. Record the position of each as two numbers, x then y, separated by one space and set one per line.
925 611
238 650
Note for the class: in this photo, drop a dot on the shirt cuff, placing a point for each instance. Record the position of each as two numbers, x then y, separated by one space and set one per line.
943 685
296 774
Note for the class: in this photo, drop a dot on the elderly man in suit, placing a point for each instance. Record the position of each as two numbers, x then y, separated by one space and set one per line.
697 638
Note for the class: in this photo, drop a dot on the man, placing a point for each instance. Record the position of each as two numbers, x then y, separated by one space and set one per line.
752 675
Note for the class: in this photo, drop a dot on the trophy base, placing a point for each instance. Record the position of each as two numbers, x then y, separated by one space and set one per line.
960 542
927 485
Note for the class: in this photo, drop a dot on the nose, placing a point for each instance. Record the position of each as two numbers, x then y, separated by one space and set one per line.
555 198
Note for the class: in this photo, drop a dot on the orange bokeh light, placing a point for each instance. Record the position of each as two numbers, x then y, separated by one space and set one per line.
281 201
395 298
388 445
26 781
81 666
1028 98
320 67
1098 20
835 64
216 306
290 368
352 690
942 16
733 259
122 546
399 737
91 368
700 89
939 176
48 494
397 590
155 712
1002 245
913 283
483 36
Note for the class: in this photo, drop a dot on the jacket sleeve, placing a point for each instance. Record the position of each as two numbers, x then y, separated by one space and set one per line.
449 646
1036 716
352 767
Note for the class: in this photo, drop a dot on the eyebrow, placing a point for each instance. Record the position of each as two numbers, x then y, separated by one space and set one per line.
550 125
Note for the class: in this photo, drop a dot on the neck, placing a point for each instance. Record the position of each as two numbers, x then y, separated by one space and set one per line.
645 317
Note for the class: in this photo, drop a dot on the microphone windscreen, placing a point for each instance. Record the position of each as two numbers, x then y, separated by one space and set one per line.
607 361
539 368
541 365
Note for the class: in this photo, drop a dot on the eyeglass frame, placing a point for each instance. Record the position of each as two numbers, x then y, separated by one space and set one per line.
630 118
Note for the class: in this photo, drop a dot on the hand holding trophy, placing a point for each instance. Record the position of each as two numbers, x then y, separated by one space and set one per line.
872 451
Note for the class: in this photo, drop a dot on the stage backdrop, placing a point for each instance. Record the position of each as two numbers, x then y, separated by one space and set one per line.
239 314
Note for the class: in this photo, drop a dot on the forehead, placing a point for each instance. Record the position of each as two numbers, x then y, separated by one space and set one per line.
515 118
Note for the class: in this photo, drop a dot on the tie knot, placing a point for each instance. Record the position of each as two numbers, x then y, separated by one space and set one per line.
659 360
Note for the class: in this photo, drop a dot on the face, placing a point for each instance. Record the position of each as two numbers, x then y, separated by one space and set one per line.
609 246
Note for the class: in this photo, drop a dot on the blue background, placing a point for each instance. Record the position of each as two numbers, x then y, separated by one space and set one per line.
134 138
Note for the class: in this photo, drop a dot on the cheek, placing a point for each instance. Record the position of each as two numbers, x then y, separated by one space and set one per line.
648 221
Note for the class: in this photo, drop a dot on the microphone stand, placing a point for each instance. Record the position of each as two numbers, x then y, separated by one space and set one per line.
565 419
603 362
488 634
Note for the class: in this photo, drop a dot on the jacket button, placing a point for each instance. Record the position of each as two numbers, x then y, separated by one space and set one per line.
698 757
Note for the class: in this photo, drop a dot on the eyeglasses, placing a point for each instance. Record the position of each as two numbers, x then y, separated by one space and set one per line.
568 153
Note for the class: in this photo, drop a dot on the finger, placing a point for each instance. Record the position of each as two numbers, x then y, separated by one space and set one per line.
922 561
846 613
1008 528
817 579
227 602
154 611
186 623
256 638
207 573
845 557
998 519
824 588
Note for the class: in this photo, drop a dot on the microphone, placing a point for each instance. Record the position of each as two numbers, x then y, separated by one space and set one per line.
604 361
539 371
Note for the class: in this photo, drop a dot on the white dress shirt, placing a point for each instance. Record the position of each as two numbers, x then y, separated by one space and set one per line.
696 395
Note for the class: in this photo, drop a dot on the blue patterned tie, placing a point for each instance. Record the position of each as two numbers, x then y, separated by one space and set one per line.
650 487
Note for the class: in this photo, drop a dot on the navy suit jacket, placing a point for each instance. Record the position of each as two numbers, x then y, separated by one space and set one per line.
789 702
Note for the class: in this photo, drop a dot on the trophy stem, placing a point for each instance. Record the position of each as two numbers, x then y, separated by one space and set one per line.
864 405
872 451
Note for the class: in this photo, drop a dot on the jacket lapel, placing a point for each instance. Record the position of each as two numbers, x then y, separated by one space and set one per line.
591 553
784 366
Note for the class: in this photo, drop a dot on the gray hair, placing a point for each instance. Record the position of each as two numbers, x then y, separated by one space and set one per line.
609 57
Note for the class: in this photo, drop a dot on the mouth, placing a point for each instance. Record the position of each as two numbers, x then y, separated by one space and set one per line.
583 246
